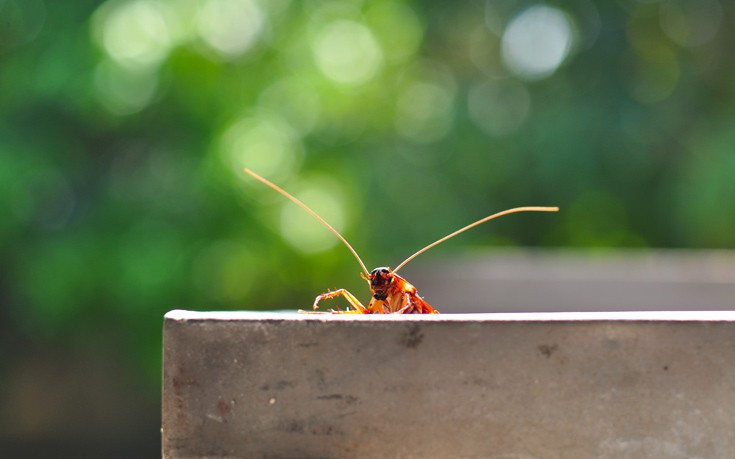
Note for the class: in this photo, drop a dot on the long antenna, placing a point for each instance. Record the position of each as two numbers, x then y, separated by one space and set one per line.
472 225
313 214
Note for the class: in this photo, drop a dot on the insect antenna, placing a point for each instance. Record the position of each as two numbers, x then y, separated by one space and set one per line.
313 214
472 225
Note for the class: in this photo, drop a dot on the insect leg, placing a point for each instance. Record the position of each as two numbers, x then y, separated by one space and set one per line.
414 304
354 302
406 304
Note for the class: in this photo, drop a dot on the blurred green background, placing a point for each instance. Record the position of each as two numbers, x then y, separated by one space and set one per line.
125 126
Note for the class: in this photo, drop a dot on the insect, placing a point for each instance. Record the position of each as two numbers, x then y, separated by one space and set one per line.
391 294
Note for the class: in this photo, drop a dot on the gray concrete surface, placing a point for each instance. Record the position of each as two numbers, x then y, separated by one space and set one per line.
575 280
510 386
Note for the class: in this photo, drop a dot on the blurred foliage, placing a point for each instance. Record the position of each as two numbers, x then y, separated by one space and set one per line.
125 126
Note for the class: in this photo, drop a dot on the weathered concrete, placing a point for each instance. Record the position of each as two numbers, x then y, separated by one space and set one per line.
566 385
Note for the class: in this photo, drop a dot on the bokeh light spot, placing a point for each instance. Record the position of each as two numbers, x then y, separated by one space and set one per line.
397 28
425 112
134 33
20 21
124 91
346 52
303 231
230 27
536 42
652 74
297 101
499 108
691 23
263 142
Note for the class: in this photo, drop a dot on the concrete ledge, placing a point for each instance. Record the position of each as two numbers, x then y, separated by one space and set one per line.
552 385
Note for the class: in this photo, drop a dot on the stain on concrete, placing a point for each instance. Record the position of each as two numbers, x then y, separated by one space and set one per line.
223 407
349 399
321 379
547 349
277 385
294 426
413 337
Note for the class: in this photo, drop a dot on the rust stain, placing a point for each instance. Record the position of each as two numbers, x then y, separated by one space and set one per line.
223 407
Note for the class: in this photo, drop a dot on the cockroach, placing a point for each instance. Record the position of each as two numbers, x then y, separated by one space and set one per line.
391 294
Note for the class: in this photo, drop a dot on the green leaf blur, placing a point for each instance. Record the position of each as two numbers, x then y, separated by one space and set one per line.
125 126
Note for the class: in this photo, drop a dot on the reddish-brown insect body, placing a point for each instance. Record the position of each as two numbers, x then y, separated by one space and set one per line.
391 294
